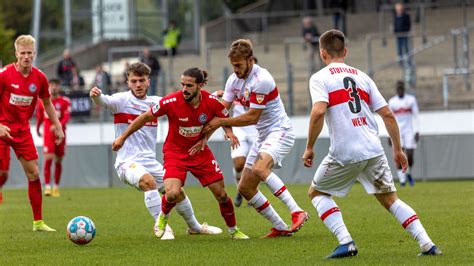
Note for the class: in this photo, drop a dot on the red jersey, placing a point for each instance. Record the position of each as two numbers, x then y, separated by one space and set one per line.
62 105
18 96
186 122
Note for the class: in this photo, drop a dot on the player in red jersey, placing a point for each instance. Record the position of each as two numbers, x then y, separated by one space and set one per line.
4 158
51 151
185 148
21 84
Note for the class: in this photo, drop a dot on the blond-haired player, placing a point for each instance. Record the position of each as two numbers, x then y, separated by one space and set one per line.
21 84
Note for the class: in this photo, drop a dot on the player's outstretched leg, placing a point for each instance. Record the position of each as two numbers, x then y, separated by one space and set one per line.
185 209
278 188
162 220
332 217
226 208
263 206
410 222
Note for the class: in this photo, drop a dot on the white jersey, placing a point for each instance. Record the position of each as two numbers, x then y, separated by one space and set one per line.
352 96
259 91
140 146
242 132
405 110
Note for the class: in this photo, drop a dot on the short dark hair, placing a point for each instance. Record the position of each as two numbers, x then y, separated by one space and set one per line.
199 75
139 69
333 41
54 81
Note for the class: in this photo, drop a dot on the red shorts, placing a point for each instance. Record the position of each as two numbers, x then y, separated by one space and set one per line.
203 166
49 145
23 145
4 156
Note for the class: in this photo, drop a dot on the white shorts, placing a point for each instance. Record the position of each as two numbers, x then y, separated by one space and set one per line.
408 140
243 150
334 179
130 172
277 144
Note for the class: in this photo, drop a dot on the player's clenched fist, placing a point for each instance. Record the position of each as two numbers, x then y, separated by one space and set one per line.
95 92
117 144
308 157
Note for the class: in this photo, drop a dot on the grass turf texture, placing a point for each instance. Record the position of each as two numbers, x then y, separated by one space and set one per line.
124 230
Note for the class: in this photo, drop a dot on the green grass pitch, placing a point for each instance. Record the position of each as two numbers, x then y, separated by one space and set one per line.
124 230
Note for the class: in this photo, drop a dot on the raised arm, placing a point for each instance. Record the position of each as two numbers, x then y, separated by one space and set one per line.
132 128
394 133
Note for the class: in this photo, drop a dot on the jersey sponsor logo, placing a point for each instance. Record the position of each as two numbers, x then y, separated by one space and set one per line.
190 132
185 119
260 98
202 118
32 88
20 100
16 86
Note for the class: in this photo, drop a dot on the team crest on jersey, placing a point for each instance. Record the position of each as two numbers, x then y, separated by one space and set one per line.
246 92
32 88
225 112
202 118
260 98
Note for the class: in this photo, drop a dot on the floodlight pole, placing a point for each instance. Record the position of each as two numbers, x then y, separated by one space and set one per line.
36 27
67 24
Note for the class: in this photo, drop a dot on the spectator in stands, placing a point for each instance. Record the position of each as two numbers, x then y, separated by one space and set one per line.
339 14
401 28
172 37
77 83
154 64
65 69
102 79
311 36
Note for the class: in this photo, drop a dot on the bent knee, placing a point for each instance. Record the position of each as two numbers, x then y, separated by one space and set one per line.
147 184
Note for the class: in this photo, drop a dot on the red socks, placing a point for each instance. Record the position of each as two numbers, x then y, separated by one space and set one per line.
36 200
227 211
58 166
47 171
166 206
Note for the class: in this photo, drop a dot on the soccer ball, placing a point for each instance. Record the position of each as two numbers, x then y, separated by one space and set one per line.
81 230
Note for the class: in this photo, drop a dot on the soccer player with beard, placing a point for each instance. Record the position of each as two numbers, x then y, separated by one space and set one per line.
21 84
185 149
62 105
254 87
136 162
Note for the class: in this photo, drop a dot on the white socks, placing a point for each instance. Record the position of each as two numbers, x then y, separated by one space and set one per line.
261 204
410 222
278 189
402 178
185 209
153 202
332 218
